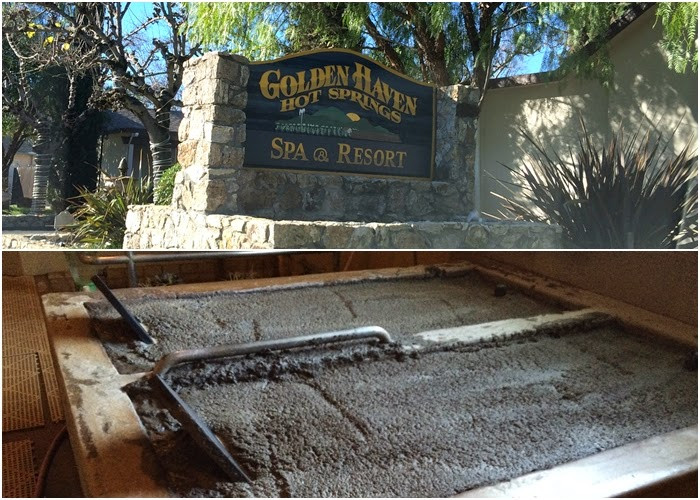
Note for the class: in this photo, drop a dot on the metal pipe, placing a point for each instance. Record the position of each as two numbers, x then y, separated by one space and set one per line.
226 351
131 266
201 433
130 319
92 259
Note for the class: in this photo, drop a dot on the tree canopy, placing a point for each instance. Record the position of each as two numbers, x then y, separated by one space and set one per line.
135 60
443 43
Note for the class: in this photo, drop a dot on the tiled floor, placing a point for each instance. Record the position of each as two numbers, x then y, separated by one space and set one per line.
32 411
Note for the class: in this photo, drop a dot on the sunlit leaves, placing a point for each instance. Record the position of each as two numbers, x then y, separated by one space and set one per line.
680 27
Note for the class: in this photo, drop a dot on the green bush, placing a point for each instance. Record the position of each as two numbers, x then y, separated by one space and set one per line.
628 194
163 194
101 215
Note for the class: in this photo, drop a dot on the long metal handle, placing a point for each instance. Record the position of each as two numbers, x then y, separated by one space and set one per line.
200 432
226 351
130 319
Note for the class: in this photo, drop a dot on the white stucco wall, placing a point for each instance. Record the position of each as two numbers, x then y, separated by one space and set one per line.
646 93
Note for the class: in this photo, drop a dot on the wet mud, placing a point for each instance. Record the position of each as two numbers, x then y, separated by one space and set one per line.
369 420
403 307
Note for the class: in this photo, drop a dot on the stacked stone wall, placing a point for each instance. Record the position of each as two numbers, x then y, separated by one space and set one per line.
157 227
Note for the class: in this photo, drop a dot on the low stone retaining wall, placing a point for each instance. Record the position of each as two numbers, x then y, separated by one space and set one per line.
27 222
21 240
162 227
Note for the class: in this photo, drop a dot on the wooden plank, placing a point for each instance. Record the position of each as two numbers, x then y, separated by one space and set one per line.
109 444
501 329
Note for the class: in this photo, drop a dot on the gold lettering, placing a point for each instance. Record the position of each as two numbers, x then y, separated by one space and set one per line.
318 78
362 76
276 146
270 90
343 152
315 96
390 159
378 158
342 76
288 149
288 86
300 154
357 156
378 90
411 104
402 155
288 104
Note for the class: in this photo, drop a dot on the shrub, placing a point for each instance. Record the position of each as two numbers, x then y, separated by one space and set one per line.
163 194
624 195
101 215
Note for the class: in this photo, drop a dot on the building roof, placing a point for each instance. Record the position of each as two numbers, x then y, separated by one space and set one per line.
26 148
126 121
631 15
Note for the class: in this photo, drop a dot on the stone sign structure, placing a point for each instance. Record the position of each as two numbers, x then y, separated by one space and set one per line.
224 198
339 111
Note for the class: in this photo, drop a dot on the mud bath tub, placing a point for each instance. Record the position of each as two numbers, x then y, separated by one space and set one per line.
402 306
475 390
384 422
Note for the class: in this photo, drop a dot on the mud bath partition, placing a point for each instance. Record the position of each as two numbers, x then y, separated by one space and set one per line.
116 458
403 305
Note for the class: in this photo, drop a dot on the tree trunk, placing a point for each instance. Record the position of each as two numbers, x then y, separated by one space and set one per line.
42 166
160 144
158 130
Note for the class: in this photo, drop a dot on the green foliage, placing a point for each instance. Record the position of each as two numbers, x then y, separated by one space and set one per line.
571 34
631 193
163 193
15 210
680 23
101 215
251 28
577 44
262 31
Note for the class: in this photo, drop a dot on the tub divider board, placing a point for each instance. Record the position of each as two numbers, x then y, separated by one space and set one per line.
505 328
112 449
632 317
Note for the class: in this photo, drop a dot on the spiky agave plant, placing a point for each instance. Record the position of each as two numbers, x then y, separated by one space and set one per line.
628 194
101 215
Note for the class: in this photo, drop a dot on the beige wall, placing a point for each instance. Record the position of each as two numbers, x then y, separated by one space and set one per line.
646 93
114 149
662 282
23 160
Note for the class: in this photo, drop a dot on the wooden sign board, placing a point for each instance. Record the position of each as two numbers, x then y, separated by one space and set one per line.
338 111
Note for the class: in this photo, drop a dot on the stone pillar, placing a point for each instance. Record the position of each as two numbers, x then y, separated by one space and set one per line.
455 144
212 133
